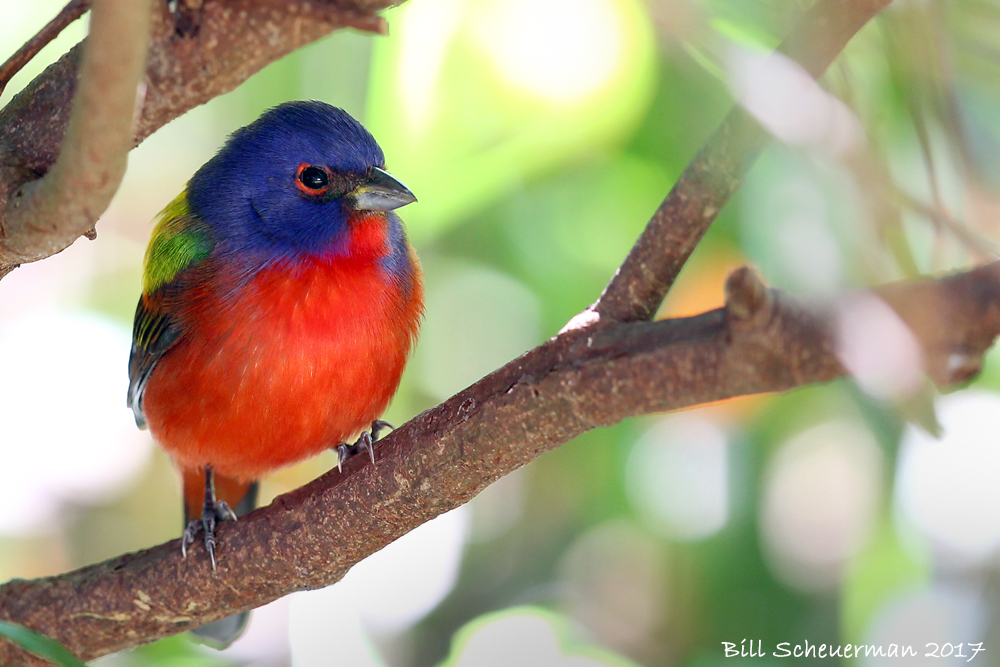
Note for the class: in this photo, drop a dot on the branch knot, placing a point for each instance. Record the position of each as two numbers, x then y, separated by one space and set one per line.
746 295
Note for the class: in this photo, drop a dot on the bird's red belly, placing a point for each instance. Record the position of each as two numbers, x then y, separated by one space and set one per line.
311 360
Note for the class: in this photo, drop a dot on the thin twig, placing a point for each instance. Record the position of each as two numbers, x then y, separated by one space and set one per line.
969 238
638 288
71 12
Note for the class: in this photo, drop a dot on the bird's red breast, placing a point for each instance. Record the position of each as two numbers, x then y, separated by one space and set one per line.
305 355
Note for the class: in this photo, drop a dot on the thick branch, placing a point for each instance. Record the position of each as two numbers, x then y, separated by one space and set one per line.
761 341
201 51
641 283
45 215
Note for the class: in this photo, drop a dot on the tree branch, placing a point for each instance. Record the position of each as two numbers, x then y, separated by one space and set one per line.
761 341
71 12
195 54
44 216
639 286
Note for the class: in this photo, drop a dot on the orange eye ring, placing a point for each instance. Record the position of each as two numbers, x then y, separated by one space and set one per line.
313 180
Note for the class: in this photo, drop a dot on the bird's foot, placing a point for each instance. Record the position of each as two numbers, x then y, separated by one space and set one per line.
211 517
366 441
213 512
345 451
378 426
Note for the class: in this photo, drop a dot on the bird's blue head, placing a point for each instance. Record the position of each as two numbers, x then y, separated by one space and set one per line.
286 184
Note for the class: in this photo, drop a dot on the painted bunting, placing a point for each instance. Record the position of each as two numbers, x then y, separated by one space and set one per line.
280 302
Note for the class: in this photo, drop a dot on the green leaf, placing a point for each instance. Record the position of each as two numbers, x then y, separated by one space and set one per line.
40 645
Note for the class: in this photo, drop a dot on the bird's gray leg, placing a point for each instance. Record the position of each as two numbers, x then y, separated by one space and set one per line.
212 513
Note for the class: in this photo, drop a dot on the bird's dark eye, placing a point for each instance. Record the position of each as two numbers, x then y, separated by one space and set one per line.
312 180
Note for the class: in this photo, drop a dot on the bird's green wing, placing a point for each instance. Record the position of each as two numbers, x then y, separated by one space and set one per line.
176 255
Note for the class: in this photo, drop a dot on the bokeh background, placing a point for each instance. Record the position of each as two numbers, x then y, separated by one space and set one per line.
539 135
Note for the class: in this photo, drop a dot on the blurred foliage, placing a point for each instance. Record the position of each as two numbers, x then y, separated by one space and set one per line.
539 138
544 639
40 645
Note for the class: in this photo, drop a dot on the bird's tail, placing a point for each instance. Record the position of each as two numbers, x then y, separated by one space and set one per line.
242 498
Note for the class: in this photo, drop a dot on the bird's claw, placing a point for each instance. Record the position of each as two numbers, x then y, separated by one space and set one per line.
366 441
378 426
212 514
343 452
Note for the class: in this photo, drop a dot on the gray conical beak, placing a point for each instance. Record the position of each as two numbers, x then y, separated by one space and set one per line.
380 191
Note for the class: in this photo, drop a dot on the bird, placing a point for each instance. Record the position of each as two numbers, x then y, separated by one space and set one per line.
280 302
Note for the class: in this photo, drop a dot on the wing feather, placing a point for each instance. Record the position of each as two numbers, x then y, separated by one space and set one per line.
154 332
177 254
